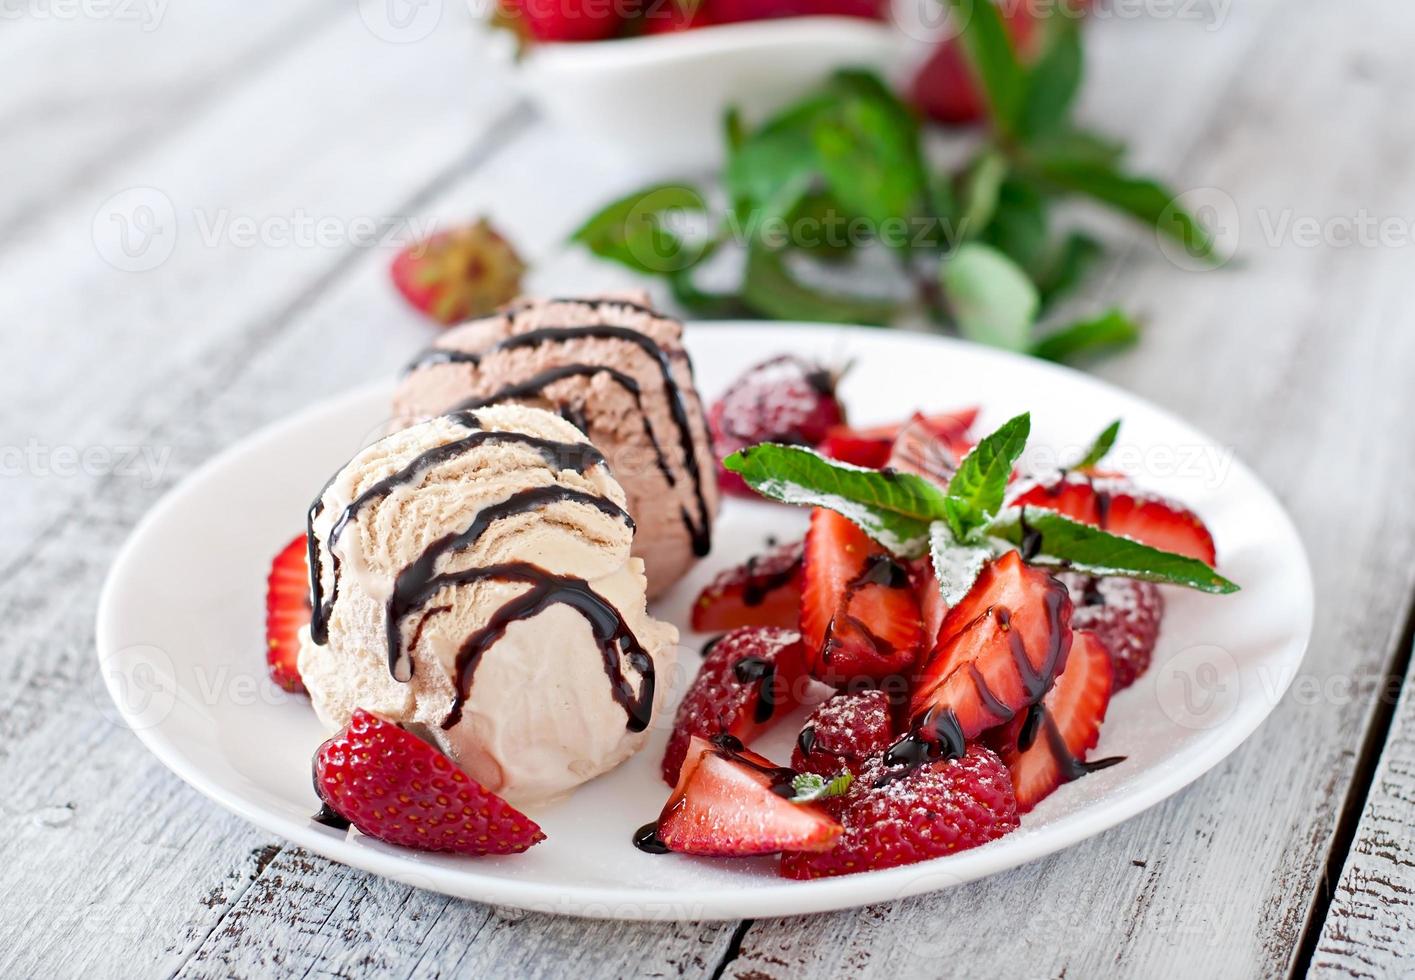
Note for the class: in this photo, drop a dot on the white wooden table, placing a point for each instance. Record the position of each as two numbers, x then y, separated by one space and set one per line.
252 122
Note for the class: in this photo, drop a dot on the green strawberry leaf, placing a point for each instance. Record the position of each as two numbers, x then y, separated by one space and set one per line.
956 566
1110 331
1048 538
1052 85
1099 448
893 508
811 787
992 299
988 47
977 490
631 230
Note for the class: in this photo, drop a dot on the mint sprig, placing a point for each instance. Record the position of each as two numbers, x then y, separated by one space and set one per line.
961 526
1049 538
977 490
812 788
1103 444
893 508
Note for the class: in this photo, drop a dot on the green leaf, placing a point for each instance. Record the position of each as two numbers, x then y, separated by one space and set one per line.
631 230
1068 266
1053 83
771 289
956 566
1099 448
981 187
701 303
991 299
771 171
1140 197
1047 538
869 153
1070 143
811 787
1019 227
1110 331
893 508
734 130
978 488
988 46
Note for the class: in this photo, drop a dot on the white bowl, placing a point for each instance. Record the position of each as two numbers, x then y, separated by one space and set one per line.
659 100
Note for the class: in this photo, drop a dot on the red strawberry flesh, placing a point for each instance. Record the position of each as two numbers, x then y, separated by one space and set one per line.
765 591
872 447
750 679
999 649
1124 614
860 618
392 785
1048 748
287 611
731 802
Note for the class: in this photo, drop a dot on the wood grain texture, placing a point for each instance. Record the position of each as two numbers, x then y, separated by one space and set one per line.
1369 932
1293 358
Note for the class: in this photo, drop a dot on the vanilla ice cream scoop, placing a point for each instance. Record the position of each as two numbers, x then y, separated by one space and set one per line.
616 369
473 580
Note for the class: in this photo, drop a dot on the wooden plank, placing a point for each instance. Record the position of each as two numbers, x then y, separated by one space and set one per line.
117 76
1291 358
1369 931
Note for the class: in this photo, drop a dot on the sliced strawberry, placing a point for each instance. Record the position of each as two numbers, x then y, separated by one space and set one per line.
394 786
287 611
925 450
999 650
1047 748
1124 614
860 619
1115 505
765 591
871 447
751 678
900 816
931 605
730 802
844 733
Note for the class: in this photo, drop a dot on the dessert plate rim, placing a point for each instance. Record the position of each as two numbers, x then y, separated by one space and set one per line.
121 651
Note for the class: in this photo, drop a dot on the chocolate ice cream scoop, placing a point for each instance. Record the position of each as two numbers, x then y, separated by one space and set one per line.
617 370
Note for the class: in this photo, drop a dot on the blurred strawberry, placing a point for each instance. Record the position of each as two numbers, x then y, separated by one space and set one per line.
459 274
673 16
732 11
570 20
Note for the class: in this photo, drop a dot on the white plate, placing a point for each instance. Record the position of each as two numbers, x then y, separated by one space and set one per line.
180 629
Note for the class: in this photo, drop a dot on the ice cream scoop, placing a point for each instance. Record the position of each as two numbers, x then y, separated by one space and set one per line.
617 370
472 580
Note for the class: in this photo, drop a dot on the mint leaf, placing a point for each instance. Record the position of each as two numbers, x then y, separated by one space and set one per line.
1141 198
810 787
1110 331
770 288
977 490
1019 228
1099 448
956 566
1048 538
980 190
991 298
632 232
893 508
870 156
988 46
1068 266
1053 83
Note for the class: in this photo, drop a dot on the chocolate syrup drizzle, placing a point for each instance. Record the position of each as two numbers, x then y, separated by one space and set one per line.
419 582
881 570
699 529
937 734
759 585
575 456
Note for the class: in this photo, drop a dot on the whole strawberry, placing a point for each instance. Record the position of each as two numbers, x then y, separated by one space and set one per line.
570 20
903 815
460 274
845 732
786 399
287 611
394 786
1124 614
